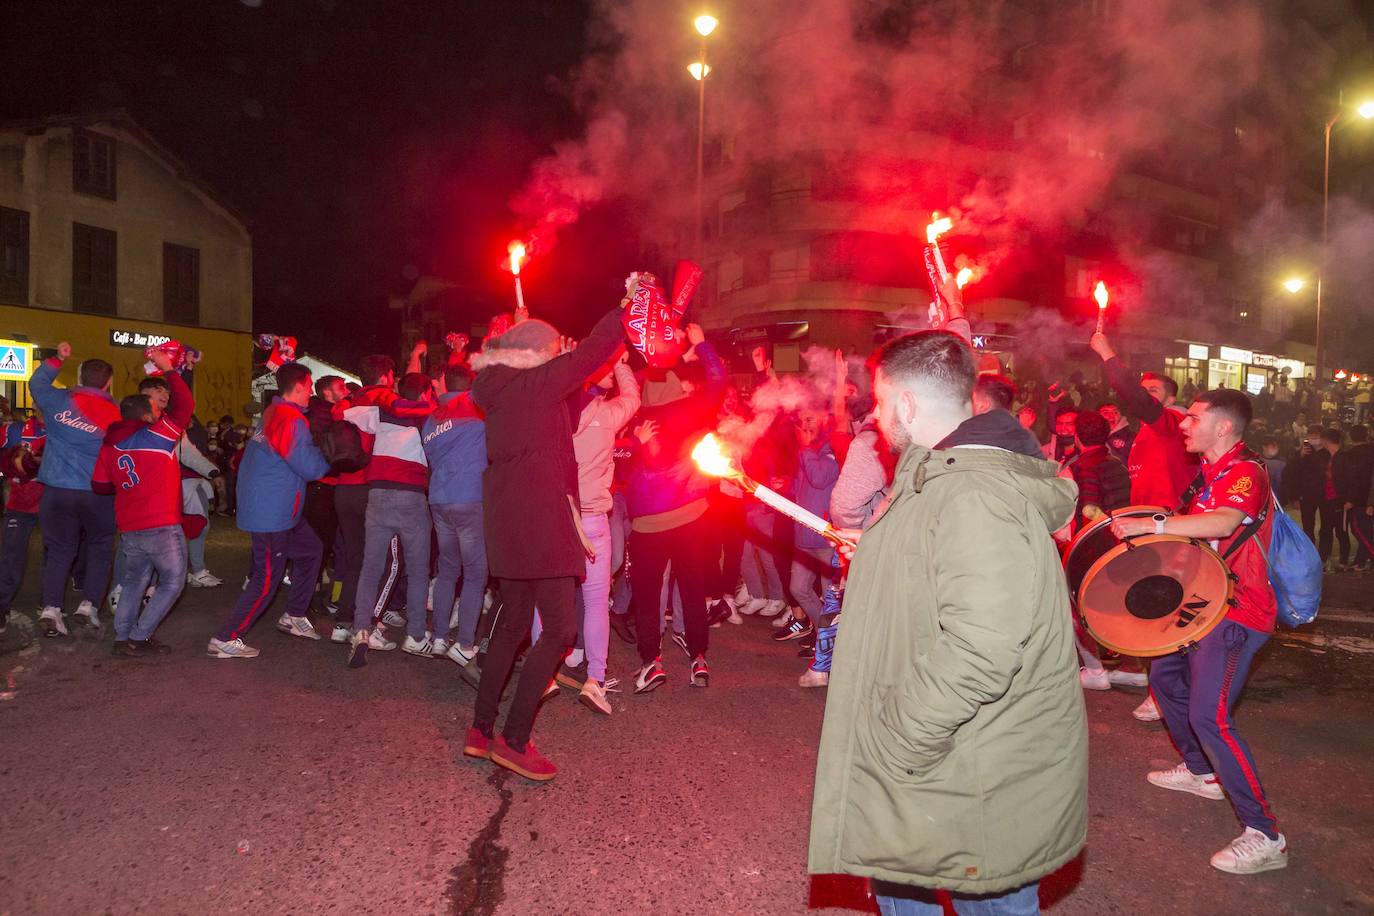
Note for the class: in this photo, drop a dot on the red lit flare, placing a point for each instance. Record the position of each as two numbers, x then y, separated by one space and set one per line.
517 256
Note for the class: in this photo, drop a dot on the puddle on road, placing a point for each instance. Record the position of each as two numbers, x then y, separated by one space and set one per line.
1356 645
477 885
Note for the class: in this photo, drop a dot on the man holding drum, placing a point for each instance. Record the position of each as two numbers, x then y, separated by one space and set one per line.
1196 687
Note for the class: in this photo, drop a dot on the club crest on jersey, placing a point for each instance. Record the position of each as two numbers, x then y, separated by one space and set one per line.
1241 487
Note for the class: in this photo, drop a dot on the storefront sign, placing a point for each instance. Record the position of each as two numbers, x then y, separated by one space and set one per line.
1265 359
1236 355
1197 351
16 360
138 339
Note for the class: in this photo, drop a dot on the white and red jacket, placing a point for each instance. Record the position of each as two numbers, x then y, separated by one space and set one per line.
390 427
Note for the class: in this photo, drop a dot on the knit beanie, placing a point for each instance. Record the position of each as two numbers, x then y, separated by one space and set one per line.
530 334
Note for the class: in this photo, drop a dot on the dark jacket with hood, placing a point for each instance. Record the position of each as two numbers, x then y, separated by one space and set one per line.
531 474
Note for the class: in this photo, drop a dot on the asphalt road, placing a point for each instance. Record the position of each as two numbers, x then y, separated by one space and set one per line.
291 783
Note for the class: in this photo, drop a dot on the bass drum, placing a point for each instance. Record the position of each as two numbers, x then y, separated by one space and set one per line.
1154 594
1095 540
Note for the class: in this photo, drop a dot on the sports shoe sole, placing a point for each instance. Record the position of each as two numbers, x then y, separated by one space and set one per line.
1272 865
517 768
419 653
290 632
568 681
785 636
357 656
652 684
1200 793
215 653
1127 679
594 706
476 753
701 680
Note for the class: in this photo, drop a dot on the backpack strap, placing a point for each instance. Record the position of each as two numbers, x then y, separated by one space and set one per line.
1250 531
1194 488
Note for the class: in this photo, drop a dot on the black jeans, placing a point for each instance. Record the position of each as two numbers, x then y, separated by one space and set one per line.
320 513
684 547
14 555
554 598
1308 508
350 513
1333 527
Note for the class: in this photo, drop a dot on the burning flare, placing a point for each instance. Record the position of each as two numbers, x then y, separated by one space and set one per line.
711 458
939 226
1100 294
517 255
964 276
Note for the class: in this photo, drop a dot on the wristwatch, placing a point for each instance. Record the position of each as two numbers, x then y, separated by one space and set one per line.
1160 518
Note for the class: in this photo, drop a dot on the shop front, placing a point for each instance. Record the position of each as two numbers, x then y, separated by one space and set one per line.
222 380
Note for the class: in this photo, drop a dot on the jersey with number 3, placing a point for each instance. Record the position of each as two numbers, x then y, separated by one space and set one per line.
138 463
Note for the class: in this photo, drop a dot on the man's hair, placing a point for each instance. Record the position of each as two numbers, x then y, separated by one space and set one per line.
999 390
1092 428
136 407
458 378
374 367
94 373
1314 429
1170 386
938 360
413 385
1359 433
323 383
1230 403
291 375
151 382
1333 435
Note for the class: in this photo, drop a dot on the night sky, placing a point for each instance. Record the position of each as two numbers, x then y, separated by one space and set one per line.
366 143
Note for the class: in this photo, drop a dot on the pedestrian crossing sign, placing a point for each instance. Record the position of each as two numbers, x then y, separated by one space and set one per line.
16 360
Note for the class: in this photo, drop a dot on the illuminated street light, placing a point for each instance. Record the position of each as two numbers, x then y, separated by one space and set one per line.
705 25
1366 110
696 67
1294 284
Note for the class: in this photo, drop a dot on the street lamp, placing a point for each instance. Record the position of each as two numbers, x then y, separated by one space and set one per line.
1294 284
1364 110
704 25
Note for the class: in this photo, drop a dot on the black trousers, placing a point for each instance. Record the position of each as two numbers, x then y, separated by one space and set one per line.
557 612
319 512
350 512
728 540
1308 508
1333 527
684 548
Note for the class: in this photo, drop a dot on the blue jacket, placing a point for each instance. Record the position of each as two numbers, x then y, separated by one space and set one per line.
455 440
77 419
277 462
812 487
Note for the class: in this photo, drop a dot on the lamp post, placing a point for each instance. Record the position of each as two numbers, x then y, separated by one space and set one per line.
1364 110
704 25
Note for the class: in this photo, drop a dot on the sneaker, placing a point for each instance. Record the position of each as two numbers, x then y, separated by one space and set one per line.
796 628
50 619
423 647
571 676
806 649
550 691
112 599
1094 679
593 696
460 653
125 648
1147 711
1121 678
393 619
772 608
340 634
1182 779
752 606
814 678
701 675
734 617
528 763
357 651
297 626
476 744
203 579
151 646
1252 852
681 642
717 613
88 615
621 625
233 648
650 677
440 647
376 639
286 580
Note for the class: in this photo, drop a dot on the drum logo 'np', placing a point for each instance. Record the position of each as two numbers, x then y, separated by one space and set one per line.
1190 609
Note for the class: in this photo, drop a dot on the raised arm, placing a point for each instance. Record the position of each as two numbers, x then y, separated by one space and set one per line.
46 396
1135 401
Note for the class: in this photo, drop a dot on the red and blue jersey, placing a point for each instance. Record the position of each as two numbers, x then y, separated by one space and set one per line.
138 463
277 462
76 419
20 458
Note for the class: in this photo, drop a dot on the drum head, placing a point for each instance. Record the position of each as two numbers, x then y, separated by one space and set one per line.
1150 595
1094 541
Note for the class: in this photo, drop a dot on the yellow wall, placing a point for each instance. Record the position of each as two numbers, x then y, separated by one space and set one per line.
222 378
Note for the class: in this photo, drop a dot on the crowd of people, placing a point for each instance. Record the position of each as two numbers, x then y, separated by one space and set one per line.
511 508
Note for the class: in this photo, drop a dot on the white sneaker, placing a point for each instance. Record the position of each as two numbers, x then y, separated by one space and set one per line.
1090 679
440 648
340 634
593 696
376 640
423 647
1121 678
50 619
1147 711
393 619
203 579
1252 852
814 678
113 599
88 615
234 648
1182 779
773 608
286 580
734 617
753 606
297 626
460 653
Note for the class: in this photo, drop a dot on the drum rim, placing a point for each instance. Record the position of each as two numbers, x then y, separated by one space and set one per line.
1124 512
1140 540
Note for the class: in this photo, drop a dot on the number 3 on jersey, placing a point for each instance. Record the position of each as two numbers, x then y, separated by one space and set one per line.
126 464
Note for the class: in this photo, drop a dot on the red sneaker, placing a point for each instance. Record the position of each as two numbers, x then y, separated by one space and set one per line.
531 764
477 744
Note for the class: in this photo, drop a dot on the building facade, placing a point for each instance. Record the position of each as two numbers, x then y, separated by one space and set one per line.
108 242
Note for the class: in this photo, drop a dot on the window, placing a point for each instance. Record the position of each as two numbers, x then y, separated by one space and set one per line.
93 269
181 284
93 163
14 256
